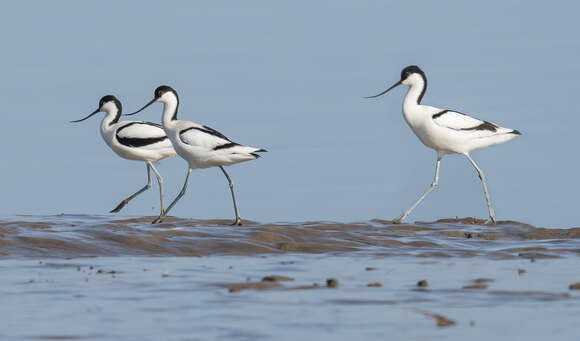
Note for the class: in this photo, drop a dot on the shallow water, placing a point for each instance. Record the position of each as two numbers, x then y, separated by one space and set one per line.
83 277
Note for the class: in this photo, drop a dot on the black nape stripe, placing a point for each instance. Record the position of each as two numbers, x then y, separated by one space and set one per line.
424 88
119 110
411 69
227 145
137 142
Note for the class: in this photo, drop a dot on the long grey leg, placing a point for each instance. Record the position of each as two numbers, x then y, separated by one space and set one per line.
238 221
126 201
482 177
399 219
160 218
160 182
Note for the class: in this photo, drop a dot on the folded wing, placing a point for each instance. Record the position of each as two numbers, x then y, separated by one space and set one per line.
206 137
458 121
140 134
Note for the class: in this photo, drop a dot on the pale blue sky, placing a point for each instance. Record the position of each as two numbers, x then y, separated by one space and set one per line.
289 77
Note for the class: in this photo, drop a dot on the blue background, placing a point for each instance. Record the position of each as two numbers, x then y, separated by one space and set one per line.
289 77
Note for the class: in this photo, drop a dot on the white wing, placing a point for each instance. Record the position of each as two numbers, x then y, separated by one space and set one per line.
206 137
458 121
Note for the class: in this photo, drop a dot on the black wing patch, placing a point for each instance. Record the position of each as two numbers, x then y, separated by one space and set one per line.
441 113
206 130
139 142
225 146
484 126
215 133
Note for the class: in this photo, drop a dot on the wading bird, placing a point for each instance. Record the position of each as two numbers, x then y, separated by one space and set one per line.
133 140
201 146
445 131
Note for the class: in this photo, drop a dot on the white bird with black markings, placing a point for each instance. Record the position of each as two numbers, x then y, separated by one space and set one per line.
201 146
133 140
446 131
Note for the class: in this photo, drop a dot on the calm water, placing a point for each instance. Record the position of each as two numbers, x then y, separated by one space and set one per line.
60 281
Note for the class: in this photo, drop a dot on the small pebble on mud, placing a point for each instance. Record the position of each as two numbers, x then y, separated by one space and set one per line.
422 283
521 271
370 268
332 283
442 321
376 285
275 278
574 286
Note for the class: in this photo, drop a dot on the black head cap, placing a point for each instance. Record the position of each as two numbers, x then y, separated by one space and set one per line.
411 69
111 98
161 90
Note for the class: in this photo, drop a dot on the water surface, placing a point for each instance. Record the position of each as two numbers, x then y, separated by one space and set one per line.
86 277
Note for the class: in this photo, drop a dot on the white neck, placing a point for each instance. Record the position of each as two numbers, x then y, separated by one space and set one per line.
170 106
414 95
109 119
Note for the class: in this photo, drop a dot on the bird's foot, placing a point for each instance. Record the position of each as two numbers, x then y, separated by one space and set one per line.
158 220
119 207
398 220
490 221
238 222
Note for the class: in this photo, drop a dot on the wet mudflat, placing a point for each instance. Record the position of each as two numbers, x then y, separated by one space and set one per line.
78 277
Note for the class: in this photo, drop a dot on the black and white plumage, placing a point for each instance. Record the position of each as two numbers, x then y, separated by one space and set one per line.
140 134
201 146
133 140
446 131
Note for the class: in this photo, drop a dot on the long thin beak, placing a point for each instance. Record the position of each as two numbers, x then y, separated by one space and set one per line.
146 105
389 89
82 119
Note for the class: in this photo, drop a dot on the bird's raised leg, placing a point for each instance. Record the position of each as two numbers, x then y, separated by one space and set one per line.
399 219
160 182
126 201
160 218
482 178
238 221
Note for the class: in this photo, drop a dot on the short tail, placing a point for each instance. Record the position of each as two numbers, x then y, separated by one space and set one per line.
261 150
